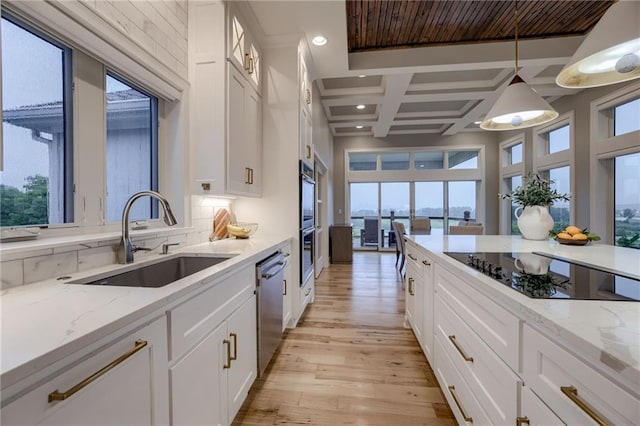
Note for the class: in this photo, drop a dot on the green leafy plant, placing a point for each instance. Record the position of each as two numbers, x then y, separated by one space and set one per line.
538 286
536 191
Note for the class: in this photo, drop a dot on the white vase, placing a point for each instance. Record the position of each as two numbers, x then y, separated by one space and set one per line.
534 222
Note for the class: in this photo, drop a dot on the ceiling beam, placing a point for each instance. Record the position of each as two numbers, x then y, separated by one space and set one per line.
395 87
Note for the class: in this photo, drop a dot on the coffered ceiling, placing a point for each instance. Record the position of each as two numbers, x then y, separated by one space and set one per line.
450 80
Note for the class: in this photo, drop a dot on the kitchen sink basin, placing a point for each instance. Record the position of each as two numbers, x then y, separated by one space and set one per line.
156 274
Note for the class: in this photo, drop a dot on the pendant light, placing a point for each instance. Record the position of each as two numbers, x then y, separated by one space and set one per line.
519 106
610 53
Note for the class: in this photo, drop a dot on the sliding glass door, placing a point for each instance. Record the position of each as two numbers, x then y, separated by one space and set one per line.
395 204
461 202
364 204
429 202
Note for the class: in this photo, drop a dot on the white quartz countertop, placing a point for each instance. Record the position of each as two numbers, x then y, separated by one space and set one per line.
606 333
46 321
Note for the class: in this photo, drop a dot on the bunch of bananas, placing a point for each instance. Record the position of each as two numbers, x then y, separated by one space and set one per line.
242 230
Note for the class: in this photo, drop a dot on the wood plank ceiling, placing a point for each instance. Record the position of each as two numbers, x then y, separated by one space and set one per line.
376 25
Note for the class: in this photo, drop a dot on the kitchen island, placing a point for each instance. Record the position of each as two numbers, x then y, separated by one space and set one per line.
470 323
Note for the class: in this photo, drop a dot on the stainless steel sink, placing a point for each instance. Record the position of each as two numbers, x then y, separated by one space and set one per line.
156 274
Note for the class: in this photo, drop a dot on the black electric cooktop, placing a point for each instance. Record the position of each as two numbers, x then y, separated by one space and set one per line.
541 276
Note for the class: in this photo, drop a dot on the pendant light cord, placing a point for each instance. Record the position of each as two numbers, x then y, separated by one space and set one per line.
516 30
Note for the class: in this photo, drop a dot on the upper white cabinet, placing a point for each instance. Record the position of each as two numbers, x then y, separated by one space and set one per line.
305 120
225 66
242 50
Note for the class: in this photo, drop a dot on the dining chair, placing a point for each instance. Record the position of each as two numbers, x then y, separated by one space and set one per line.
420 225
399 229
466 230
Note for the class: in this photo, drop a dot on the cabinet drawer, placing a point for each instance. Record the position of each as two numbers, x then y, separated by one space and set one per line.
548 369
306 293
494 385
534 412
498 328
465 407
415 257
129 386
191 321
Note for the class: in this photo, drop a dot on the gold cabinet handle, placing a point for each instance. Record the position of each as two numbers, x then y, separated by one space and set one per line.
247 59
308 151
412 257
227 364
572 393
411 281
425 263
234 336
284 283
251 65
522 421
287 254
308 96
60 396
452 391
455 343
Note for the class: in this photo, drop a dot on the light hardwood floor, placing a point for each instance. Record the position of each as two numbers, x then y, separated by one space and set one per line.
350 360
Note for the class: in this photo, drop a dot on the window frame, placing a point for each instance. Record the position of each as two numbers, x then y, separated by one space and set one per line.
68 113
604 147
508 171
543 161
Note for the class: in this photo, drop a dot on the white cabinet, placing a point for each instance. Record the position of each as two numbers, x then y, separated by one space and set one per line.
244 136
572 389
306 137
225 105
428 304
214 351
124 382
535 412
242 49
287 290
414 294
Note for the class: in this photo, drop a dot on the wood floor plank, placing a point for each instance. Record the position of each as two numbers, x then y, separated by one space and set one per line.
350 361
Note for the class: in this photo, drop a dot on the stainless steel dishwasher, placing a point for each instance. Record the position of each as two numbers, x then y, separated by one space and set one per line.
270 277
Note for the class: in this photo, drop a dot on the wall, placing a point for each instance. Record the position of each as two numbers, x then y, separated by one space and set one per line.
487 139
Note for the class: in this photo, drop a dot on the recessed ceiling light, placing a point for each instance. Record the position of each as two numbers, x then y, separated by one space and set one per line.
359 127
319 40
362 76
360 106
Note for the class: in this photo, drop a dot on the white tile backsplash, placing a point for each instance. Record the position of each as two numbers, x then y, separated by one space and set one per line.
96 257
43 267
11 274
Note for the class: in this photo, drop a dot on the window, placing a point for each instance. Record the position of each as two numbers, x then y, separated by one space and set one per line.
36 183
626 118
362 161
428 160
463 159
512 183
462 201
513 154
627 200
395 161
560 210
132 149
558 140
429 202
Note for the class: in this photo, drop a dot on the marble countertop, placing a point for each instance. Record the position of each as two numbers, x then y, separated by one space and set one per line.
606 333
46 321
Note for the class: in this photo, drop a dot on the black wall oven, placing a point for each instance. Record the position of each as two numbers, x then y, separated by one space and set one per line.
307 222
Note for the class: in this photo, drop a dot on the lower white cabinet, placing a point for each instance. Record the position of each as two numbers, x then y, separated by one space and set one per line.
535 412
124 383
572 389
210 383
414 297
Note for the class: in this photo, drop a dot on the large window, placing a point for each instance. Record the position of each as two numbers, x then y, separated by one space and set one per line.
132 149
626 118
511 172
36 183
513 182
627 200
561 182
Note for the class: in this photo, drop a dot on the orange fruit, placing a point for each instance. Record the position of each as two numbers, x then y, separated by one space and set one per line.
573 230
580 237
564 235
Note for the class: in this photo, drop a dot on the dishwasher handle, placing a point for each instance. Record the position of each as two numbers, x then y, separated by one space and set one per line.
268 274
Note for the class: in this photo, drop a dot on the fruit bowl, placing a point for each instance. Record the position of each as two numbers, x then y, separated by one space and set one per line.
572 242
242 230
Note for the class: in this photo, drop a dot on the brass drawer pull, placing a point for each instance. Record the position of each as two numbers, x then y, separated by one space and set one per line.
308 151
234 336
455 343
572 393
61 396
247 62
412 257
411 281
452 391
227 364
522 421
425 263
